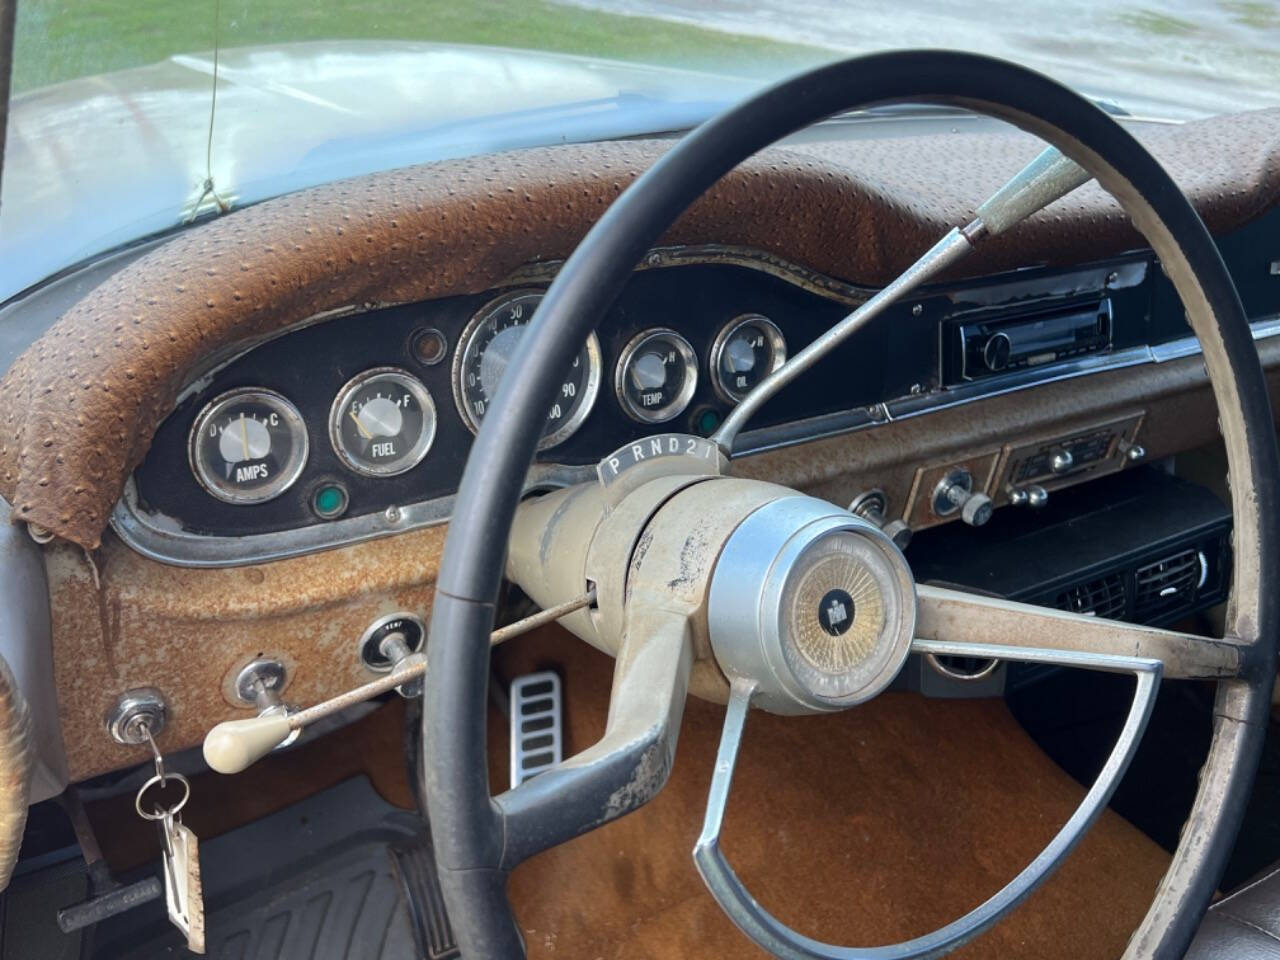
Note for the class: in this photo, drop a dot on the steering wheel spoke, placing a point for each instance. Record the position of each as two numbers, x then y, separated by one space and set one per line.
626 767
951 622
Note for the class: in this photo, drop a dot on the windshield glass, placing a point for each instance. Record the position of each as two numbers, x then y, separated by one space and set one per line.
1194 56
131 118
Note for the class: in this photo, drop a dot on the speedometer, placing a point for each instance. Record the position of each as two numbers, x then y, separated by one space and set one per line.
491 341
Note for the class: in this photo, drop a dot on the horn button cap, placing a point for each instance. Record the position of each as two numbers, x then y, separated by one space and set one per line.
814 604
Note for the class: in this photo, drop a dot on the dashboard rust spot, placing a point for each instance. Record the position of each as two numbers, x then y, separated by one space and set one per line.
184 630
83 402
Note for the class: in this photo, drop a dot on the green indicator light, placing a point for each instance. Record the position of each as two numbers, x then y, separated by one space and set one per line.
708 420
330 501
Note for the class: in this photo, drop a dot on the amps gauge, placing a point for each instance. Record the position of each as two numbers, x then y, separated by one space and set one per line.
248 445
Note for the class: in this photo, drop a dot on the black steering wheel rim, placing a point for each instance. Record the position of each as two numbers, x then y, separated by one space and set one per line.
467 825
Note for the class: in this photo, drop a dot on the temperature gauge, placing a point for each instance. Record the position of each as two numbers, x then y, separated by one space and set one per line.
248 445
656 375
382 422
746 351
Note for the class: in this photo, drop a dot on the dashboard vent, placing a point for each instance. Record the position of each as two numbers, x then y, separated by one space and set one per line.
1103 597
1168 582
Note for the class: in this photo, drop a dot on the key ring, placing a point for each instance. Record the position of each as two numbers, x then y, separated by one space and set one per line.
160 813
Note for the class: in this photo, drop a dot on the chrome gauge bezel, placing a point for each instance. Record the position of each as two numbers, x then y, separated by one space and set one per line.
287 477
421 446
777 343
467 342
688 359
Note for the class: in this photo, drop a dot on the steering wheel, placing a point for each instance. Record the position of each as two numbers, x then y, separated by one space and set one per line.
767 551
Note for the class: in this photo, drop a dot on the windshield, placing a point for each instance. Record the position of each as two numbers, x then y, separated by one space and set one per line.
1193 56
132 118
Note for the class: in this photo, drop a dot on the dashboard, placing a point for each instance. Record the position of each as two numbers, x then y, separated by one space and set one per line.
358 426
243 441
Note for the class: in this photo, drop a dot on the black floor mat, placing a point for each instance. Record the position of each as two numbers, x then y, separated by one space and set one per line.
340 875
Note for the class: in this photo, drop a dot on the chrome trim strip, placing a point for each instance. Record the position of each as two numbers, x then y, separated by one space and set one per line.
1190 346
828 425
713 253
159 538
544 272
905 408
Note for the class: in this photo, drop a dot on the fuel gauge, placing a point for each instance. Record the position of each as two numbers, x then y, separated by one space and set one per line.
382 422
248 445
746 351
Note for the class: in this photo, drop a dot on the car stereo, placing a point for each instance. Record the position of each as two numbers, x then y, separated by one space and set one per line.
986 345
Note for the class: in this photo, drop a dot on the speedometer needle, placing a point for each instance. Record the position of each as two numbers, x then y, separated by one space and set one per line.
360 426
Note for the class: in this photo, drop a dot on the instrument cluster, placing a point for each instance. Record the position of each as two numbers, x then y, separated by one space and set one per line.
372 414
360 425
251 444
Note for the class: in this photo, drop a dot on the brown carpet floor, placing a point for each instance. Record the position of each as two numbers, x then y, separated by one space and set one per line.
866 828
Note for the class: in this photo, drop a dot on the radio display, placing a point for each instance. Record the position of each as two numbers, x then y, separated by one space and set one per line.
984 347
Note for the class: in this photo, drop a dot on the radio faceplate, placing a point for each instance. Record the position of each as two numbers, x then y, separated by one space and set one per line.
1085 453
988 345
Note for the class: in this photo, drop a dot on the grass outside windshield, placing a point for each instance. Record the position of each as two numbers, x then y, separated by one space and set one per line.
1176 58
64 39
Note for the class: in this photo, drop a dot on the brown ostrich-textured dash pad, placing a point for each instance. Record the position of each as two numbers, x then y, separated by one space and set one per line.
82 404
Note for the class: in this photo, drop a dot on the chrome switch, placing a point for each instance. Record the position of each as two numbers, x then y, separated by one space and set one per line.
955 492
873 505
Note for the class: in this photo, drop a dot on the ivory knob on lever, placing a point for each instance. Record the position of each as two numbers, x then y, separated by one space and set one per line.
237 744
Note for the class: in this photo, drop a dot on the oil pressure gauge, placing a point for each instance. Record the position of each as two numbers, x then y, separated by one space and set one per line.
382 422
656 376
746 351
248 445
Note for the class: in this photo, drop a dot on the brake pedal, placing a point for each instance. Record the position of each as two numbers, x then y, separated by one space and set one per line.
537 743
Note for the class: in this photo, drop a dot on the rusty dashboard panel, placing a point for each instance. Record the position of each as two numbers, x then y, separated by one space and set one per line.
320 306
121 620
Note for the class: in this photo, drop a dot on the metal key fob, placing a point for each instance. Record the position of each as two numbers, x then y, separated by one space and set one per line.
183 893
